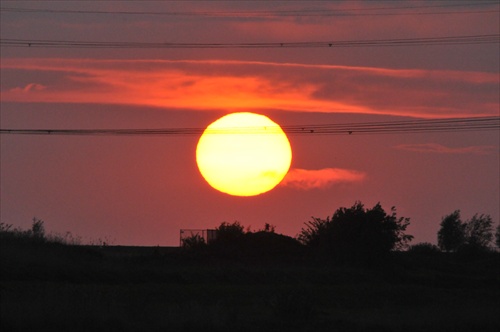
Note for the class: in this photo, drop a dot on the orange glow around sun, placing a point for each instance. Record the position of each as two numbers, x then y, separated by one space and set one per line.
243 154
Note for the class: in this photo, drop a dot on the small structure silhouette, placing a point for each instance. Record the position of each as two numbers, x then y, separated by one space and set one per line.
208 235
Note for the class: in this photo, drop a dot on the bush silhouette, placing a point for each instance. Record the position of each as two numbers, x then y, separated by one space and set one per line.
357 232
497 236
194 242
227 242
38 229
473 235
269 245
451 235
232 241
479 231
424 248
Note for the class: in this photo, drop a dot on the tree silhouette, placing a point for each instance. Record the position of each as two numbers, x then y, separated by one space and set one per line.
473 234
227 242
478 231
232 241
357 232
315 232
497 236
424 248
451 235
229 233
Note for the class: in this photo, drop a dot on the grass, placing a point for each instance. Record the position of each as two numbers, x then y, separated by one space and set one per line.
48 287
158 306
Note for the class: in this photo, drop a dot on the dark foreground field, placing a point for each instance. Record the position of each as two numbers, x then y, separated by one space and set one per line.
54 287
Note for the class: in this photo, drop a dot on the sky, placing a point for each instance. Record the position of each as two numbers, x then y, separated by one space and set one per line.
141 190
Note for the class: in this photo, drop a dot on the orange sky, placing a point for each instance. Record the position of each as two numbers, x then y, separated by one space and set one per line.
142 190
197 85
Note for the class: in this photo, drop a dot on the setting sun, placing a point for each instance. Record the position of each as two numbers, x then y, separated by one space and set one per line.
243 154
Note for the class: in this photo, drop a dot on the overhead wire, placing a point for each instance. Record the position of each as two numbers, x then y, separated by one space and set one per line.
420 41
410 126
361 128
272 13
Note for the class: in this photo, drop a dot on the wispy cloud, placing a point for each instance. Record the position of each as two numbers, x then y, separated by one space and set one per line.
237 85
28 87
305 179
438 148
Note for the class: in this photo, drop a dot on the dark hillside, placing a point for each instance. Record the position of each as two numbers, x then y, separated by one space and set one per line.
47 287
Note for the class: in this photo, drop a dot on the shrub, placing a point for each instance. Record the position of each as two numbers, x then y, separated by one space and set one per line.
475 234
193 242
497 236
357 231
479 231
424 248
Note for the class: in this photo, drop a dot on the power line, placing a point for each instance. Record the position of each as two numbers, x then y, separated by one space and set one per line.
421 41
327 13
362 128
403 127
270 13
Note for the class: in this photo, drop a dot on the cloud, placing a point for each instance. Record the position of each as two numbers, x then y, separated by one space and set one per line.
321 178
240 85
29 87
438 148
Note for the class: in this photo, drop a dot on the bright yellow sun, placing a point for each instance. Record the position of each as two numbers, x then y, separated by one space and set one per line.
243 154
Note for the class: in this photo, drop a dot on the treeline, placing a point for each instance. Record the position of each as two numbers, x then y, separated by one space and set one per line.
475 234
350 234
356 233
